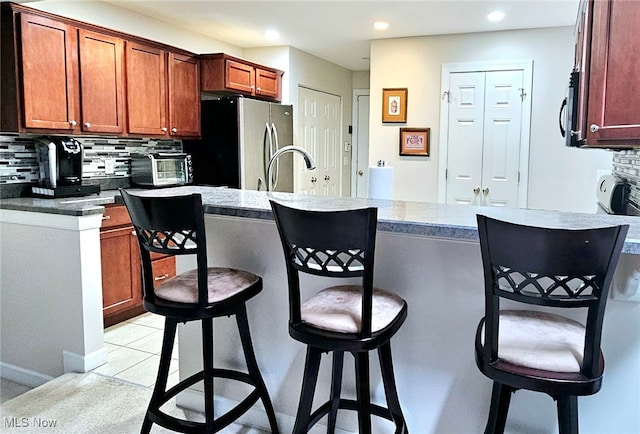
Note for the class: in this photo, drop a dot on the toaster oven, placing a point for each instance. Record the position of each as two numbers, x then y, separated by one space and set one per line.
161 169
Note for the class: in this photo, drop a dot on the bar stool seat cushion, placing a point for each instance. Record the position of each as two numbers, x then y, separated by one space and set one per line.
224 283
339 309
540 340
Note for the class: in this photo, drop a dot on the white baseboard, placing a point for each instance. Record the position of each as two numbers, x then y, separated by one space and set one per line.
23 376
255 417
74 362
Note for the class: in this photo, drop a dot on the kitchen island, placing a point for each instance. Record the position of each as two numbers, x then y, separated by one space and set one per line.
427 253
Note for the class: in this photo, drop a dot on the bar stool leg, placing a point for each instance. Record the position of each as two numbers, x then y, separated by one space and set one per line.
207 360
160 387
567 414
311 367
252 366
500 399
363 392
390 389
336 388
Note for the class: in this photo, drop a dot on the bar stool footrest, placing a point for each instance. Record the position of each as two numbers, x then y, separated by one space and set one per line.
167 421
350 404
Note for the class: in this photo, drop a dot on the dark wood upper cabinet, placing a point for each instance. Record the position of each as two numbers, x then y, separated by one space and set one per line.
49 73
101 82
608 58
146 90
67 77
222 73
184 95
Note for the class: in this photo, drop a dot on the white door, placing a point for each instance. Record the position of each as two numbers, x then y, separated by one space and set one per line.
484 137
360 153
319 116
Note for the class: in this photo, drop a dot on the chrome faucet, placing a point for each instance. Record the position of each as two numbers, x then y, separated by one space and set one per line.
308 160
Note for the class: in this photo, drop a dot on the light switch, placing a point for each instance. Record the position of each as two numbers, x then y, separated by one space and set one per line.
347 147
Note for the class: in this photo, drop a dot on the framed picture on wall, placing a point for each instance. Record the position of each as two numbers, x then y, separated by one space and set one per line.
414 141
394 105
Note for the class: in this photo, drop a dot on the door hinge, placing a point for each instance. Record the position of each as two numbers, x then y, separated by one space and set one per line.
523 94
446 95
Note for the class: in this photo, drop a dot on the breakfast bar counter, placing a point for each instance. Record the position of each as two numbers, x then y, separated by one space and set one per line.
427 253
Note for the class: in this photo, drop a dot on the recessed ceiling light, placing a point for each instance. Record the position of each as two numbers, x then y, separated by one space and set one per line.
272 35
381 25
495 16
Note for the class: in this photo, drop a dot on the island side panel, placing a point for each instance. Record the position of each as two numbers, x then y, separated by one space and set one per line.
433 352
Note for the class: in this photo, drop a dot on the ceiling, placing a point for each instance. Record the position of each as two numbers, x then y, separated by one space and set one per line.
340 31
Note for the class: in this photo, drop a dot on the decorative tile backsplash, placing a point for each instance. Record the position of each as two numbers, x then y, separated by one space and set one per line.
626 165
18 163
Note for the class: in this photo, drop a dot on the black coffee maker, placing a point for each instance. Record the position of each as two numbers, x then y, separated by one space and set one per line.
60 162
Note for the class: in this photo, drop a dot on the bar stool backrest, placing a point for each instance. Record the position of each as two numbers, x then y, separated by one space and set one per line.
558 268
331 244
172 225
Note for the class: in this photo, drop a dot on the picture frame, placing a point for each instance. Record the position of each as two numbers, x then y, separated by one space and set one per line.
415 141
394 105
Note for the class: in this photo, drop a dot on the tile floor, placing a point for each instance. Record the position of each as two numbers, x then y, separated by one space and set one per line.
134 351
134 354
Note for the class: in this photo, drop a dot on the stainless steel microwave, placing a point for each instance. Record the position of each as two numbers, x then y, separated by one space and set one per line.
161 169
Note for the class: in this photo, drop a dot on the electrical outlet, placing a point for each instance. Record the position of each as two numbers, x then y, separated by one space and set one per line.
347 147
109 166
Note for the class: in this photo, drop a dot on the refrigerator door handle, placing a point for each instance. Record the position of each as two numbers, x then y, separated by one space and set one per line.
266 152
276 146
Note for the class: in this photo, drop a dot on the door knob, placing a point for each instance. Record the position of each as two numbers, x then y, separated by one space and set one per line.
360 172
594 128
327 177
485 191
476 190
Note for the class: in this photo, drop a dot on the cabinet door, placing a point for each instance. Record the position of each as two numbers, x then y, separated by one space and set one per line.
582 56
49 73
121 272
613 112
184 95
101 82
146 90
240 77
268 84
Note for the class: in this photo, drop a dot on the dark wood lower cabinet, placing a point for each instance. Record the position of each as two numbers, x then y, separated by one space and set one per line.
121 269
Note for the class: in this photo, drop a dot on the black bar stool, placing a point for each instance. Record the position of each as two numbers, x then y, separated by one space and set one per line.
536 349
346 318
175 226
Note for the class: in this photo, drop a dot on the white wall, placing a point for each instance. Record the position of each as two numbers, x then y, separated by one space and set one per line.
317 74
559 178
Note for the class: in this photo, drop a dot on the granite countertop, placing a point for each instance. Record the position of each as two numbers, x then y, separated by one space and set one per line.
413 218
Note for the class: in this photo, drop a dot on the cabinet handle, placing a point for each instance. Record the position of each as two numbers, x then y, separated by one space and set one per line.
485 191
87 124
164 129
476 190
106 217
163 277
327 177
73 123
259 89
314 179
174 130
360 172
594 128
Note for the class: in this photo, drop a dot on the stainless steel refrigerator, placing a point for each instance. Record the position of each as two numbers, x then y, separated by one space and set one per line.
239 135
